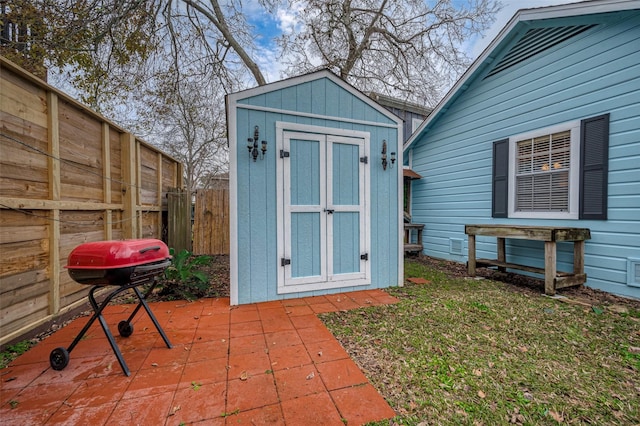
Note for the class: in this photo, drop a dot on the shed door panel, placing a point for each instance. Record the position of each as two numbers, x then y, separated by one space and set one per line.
305 220
324 211
345 195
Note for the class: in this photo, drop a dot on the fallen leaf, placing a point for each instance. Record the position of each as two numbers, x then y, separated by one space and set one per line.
174 410
523 349
319 353
244 375
481 394
154 364
556 416
413 405
477 372
311 375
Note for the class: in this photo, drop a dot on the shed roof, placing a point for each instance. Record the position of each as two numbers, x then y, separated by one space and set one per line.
529 32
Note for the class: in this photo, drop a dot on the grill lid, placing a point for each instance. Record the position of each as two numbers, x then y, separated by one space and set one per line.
117 254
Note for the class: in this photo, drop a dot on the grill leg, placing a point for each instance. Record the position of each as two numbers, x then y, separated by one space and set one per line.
97 312
105 327
144 304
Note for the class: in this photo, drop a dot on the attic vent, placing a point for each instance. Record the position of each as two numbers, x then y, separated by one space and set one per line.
455 246
633 272
536 40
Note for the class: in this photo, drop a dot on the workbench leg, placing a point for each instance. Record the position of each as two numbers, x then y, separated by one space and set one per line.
471 263
549 267
502 256
578 257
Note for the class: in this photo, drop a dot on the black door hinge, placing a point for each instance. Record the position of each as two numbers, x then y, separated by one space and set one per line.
364 256
285 262
364 159
284 154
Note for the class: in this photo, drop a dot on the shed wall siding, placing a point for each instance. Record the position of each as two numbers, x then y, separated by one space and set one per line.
594 73
257 249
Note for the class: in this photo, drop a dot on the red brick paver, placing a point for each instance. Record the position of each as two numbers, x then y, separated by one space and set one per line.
270 363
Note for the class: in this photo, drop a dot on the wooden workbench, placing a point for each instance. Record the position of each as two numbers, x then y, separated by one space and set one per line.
553 279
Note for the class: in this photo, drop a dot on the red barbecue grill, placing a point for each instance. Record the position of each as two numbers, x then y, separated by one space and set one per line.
126 264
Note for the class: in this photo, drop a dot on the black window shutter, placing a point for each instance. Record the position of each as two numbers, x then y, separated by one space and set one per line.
594 167
500 190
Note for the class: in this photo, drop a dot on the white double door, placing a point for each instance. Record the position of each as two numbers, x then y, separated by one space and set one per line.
323 238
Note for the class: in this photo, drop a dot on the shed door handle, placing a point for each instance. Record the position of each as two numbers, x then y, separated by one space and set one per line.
329 211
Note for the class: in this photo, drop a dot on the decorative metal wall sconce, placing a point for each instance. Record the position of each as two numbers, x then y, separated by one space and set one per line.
384 156
252 145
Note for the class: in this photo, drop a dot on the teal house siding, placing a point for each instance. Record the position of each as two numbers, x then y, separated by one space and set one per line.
553 82
312 216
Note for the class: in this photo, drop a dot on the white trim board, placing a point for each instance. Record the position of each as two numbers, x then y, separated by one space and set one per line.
316 116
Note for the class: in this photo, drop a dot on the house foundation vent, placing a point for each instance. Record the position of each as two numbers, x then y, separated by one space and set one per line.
455 246
633 272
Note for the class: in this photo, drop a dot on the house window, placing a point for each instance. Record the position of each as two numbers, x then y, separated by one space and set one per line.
558 172
542 180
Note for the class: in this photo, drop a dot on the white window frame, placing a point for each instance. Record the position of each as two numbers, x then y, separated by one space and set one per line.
574 172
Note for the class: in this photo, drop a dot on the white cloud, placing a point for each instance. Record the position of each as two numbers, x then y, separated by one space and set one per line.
288 21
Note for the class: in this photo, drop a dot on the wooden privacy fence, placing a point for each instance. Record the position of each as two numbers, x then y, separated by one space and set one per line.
67 176
211 222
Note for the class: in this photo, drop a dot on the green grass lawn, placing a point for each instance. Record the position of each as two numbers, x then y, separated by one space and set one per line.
465 351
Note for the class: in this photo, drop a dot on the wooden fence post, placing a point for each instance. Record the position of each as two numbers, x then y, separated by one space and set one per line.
179 219
129 185
54 195
106 172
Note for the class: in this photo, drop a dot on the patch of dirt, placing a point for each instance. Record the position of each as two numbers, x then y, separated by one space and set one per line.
217 271
521 283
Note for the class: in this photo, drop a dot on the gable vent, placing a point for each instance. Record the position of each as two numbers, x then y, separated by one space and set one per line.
633 272
536 40
455 246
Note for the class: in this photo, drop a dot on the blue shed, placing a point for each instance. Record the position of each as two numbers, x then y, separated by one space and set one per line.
542 130
313 209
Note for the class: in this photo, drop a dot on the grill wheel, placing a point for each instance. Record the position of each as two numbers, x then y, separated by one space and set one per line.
59 358
125 328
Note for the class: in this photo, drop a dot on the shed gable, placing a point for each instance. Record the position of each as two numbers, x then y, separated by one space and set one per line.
322 98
